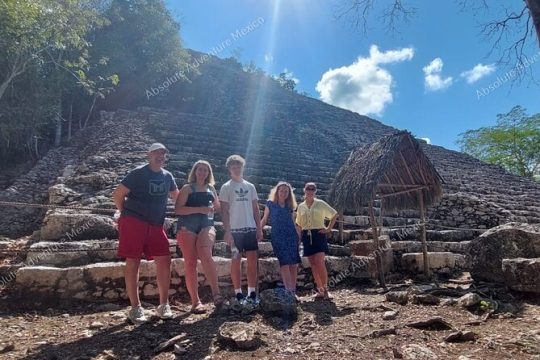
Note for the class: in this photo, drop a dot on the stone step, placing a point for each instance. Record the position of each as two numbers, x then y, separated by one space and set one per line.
105 281
441 262
461 247
522 274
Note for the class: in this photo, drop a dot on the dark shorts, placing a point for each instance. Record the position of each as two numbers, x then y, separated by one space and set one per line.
315 243
245 240
138 238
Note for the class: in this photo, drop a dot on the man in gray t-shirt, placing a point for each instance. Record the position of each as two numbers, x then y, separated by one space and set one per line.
142 198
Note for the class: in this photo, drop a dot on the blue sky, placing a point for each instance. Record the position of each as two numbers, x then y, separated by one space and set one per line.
427 79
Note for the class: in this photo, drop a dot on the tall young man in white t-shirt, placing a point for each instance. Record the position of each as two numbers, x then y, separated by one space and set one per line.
242 223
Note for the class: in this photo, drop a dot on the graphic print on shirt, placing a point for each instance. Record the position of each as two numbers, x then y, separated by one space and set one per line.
241 194
157 187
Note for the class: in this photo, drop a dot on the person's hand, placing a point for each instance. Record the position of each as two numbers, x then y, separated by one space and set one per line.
260 235
116 216
205 210
325 231
228 238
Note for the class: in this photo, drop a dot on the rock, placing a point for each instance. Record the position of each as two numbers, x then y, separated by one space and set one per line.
390 315
399 297
238 334
7 348
70 226
279 302
60 194
95 325
435 323
508 241
169 343
417 352
522 274
468 300
425 299
414 262
179 349
461 336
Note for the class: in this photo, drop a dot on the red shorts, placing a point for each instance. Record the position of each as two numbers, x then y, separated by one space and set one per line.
137 237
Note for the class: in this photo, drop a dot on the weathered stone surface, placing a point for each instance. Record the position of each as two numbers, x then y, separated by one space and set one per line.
417 352
238 334
468 300
414 262
61 194
398 297
70 226
522 274
509 241
279 302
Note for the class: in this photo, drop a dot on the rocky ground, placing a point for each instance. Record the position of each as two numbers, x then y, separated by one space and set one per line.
437 322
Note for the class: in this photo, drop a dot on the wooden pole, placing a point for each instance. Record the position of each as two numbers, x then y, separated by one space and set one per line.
376 252
340 217
423 232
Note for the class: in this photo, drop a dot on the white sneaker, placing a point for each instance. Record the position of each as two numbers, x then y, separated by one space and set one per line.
136 315
164 311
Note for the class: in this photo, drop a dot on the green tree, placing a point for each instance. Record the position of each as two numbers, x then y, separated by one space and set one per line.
513 143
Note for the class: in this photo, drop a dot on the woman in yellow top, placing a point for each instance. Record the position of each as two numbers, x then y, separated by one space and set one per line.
310 222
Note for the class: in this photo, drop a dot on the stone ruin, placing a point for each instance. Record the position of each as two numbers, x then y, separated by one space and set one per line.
488 222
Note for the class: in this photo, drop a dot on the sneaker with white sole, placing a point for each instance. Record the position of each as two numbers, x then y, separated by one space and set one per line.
164 311
136 315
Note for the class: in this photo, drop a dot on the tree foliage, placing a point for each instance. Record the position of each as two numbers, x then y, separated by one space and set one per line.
513 143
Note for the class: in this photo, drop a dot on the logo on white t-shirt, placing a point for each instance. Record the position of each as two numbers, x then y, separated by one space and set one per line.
241 194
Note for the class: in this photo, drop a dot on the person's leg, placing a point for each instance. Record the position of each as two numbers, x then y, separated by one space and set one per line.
321 268
285 276
205 245
163 275
315 270
187 242
252 258
131 275
293 275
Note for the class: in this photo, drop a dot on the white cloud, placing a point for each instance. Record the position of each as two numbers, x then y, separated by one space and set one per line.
426 139
268 57
363 86
433 80
478 72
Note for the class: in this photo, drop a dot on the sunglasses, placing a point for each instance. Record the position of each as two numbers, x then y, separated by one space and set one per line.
310 189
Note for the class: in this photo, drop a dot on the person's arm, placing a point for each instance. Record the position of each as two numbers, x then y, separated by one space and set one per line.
174 194
216 203
257 218
266 214
225 217
180 206
119 196
332 214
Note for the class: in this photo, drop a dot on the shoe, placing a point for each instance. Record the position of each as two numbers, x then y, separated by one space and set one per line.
164 311
241 299
136 315
253 299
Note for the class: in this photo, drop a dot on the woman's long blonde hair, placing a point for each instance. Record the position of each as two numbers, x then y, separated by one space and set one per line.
290 201
209 179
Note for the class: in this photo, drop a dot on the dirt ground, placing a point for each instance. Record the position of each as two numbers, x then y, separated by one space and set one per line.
342 329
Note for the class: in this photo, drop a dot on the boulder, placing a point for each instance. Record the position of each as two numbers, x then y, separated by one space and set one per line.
61 194
279 302
70 226
522 274
239 335
508 241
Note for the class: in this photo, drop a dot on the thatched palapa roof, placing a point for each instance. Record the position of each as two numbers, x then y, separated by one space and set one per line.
392 169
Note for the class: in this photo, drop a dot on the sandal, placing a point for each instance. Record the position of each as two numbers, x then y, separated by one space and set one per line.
198 309
327 295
